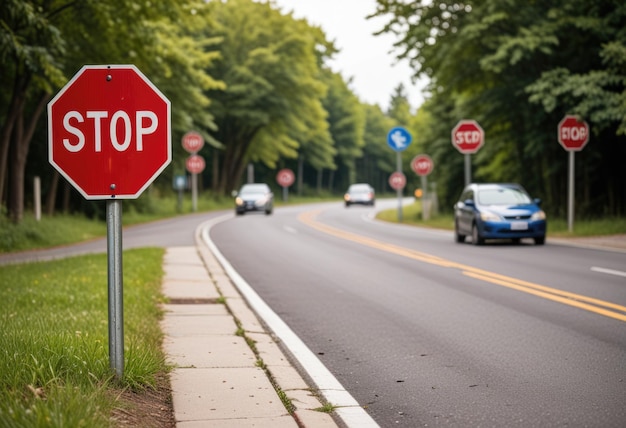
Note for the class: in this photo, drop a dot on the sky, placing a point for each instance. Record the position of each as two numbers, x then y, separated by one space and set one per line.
364 57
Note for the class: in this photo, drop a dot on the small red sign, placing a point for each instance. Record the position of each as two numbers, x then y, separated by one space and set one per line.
422 165
192 142
109 132
573 133
195 164
397 180
285 177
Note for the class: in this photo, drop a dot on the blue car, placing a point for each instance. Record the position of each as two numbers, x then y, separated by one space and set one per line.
498 211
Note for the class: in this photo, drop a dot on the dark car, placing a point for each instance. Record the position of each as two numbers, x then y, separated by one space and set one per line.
360 193
498 211
254 197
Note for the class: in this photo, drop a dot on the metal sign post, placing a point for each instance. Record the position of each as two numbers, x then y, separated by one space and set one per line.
573 135
96 146
115 289
468 137
423 165
399 139
570 192
285 178
399 189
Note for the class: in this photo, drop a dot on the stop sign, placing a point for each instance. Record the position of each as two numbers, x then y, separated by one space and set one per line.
195 164
285 177
397 180
422 165
468 136
573 133
192 142
109 132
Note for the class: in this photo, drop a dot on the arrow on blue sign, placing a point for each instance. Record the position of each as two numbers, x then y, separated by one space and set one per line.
399 138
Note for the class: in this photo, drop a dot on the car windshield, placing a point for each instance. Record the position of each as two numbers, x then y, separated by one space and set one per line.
359 189
253 190
502 196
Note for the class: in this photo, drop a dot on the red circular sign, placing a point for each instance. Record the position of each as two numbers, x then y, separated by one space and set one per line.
285 177
192 142
195 164
468 136
109 132
422 165
397 180
573 133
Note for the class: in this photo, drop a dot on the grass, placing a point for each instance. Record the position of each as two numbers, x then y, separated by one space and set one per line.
48 232
66 229
54 362
412 215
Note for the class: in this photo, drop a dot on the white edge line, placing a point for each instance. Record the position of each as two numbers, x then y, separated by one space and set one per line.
348 409
609 271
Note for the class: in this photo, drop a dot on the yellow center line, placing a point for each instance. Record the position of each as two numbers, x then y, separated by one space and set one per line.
591 304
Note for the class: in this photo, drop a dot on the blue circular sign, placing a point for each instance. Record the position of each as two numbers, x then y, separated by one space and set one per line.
399 138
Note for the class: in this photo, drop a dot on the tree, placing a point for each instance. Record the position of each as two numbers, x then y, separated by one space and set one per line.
273 94
29 45
347 122
378 160
45 42
492 61
399 106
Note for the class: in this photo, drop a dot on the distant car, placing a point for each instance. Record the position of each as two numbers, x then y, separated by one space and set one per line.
360 193
498 211
254 197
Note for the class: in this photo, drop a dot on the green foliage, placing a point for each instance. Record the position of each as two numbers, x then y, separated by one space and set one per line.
30 234
270 65
44 43
399 107
518 67
54 363
378 160
346 121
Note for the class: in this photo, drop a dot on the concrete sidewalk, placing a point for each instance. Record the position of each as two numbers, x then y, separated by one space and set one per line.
219 380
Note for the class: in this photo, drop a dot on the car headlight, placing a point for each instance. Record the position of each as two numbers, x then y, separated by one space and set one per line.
238 201
346 197
489 216
539 215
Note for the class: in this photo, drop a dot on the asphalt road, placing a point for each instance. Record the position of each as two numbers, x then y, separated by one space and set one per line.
424 331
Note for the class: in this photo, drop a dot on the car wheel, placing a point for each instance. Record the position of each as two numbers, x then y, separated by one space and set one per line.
239 212
476 238
459 238
268 212
516 241
347 205
540 240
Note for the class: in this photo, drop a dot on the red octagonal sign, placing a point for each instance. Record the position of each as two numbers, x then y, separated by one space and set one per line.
285 177
109 132
397 180
573 133
468 136
422 165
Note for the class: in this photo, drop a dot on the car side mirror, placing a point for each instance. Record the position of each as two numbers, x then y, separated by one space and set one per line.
234 193
537 201
469 203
